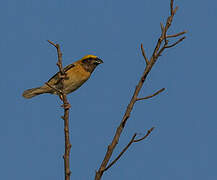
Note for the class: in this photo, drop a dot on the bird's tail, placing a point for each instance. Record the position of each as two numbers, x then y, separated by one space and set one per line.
29 93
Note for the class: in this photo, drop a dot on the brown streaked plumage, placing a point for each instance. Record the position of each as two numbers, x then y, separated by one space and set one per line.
77 74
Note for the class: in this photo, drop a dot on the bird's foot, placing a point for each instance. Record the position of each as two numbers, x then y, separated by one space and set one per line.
66 106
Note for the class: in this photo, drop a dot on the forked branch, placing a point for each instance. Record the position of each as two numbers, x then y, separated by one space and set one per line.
133 140
161 45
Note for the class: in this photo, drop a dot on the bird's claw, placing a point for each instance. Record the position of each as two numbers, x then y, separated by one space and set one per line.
66 106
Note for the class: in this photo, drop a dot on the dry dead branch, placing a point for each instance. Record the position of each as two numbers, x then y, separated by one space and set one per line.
66 107
162 44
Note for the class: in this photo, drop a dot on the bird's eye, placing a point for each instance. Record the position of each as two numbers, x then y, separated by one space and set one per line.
88 60
85 61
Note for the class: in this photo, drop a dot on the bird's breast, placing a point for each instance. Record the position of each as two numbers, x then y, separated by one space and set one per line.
76 76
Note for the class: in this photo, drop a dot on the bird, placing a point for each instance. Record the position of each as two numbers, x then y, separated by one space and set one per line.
77 74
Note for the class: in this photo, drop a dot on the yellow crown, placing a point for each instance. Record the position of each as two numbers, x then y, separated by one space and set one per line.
89 56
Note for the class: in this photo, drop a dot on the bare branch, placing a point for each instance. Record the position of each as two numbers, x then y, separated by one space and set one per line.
59 62
121 153
155 94
171 7
147 134
172 11
162 27
52 43
143 53
177 42
176 35
161 45
133 140
176 9
66 107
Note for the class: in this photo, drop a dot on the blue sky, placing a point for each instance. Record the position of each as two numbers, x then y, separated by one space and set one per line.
183 145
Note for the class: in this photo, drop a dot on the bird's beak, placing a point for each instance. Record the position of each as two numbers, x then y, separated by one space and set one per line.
99 61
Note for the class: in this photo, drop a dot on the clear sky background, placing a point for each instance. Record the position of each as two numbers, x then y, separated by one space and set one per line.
182 147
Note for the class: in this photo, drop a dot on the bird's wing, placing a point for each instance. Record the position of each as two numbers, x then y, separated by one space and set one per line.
55 79
68 67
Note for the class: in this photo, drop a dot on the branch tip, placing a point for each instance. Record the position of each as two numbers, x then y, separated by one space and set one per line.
146 135
155 94
162 27
143 53
175 43
176 35
52 43
171 7
175 10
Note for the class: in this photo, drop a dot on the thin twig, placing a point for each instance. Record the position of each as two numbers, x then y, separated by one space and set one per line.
162 27
133 140
59 62
52 43
171 7
176 9
66 107
176 35
177 42
143 53
155 94
147 134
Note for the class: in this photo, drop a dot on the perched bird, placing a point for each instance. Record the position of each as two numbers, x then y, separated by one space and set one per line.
77 74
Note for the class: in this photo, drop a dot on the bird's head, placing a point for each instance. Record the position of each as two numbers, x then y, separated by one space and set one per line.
90 62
